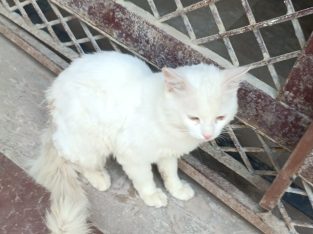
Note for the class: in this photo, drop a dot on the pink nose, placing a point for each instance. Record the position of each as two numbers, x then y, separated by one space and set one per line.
207 136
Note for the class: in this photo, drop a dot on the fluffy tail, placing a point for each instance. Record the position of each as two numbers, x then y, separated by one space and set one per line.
69 203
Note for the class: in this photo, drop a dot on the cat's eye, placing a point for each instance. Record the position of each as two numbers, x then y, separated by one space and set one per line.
221 117
194 118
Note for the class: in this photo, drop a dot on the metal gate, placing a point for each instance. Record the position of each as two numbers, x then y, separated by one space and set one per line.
275 105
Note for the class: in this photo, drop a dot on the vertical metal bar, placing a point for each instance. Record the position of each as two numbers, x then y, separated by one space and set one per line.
261 43
295 23
291 167
185 20
298 89
44 20
67 29
90 36
309 192
242 154
221 28
154 9
287 218
268 152
23 12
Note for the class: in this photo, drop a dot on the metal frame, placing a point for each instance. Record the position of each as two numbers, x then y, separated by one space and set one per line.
121 24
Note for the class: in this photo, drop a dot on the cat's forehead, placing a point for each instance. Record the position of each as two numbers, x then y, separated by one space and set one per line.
212 101
202 75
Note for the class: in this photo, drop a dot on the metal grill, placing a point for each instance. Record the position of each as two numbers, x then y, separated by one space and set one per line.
257 160
64 32
217 31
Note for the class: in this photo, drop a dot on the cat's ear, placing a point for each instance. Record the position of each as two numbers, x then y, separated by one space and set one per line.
173 81
233 77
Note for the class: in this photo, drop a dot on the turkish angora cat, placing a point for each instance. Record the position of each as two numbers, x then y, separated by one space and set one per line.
111 103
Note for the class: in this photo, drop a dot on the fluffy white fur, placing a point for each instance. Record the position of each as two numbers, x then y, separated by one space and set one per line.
112 104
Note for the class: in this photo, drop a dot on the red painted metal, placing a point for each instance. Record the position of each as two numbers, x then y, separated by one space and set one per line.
298 90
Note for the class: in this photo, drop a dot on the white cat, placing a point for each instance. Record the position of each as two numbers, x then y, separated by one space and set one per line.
110 103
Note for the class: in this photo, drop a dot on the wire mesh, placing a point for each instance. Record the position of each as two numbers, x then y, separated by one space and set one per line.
224 30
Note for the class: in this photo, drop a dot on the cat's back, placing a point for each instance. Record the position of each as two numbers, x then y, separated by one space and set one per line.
105 65
97 84
106 72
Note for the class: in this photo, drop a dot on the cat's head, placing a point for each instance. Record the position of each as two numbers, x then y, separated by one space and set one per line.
201 99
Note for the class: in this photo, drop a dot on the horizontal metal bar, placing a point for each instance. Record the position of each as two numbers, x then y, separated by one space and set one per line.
219 192
187 9
250 149
251 27
31 46
215 152
276 59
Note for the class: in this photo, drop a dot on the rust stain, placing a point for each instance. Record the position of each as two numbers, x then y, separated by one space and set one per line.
298 90
276 120
135 33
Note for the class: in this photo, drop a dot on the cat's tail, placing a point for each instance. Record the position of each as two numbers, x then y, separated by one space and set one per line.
69 204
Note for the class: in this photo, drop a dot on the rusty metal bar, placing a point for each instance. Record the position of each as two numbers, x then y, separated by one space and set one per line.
291 167
215 152
259 25
225 192
298 90
271 118
43 56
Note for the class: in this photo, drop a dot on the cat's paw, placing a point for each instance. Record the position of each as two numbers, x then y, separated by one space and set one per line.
156 199
183 192
99 180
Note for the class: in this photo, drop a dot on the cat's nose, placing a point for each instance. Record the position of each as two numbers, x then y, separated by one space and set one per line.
207 136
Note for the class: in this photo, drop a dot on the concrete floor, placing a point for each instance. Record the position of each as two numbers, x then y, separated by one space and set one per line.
119 210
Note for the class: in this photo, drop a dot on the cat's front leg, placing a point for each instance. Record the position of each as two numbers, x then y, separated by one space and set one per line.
178 188
142 178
